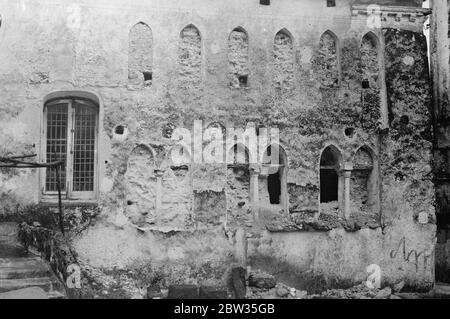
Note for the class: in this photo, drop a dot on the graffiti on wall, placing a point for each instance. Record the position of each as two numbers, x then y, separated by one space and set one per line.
417 257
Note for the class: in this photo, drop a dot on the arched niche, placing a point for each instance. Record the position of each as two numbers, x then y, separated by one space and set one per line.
140 185
364 183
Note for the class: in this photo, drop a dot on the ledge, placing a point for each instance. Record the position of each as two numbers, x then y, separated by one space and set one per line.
362 9
324 223
68 203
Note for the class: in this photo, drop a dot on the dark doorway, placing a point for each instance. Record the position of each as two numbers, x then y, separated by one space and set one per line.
328 185
329 180
274 188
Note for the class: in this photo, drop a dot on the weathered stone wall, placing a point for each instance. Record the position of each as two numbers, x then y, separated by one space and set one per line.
184 230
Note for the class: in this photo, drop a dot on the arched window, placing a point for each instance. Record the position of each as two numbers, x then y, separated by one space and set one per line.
329 176
363 182
70 132
370 66
275 164
283 59
327 60
238 58
190 55
140 55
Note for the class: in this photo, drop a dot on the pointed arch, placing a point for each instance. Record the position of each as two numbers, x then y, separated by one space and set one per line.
372 38
238 154
370 61
238 48
328 60
330 183
190 54
364 182
284 59
140 54
363 158
275 166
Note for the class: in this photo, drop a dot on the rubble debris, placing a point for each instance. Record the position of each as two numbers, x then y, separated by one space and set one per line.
261 280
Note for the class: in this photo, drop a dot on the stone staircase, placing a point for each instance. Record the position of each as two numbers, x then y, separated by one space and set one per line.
24 275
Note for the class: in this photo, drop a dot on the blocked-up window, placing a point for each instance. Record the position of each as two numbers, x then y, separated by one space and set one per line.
363 184
238 58
190 55
369 61
327 60
71 136
140 55
283 60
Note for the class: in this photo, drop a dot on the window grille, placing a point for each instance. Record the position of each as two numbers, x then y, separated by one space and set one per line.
71 136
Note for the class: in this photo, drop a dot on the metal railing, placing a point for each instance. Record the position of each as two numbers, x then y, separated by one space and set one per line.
19 162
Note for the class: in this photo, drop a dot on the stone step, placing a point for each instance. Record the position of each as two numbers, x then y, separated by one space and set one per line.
46 283
55 295
24 262
442 289
25 293
31 293
14 272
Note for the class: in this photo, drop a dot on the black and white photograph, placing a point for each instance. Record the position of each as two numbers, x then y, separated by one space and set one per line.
229 156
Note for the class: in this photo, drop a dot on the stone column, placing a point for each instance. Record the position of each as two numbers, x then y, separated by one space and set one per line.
159 191
347 176
254 189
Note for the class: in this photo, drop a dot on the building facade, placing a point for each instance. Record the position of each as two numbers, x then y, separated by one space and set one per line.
133 96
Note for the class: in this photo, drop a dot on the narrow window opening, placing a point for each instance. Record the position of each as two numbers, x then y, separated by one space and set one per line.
264 2
331 3
274 188
329 179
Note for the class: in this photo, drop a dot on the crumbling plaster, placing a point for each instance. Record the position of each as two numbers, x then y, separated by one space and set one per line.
61 54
